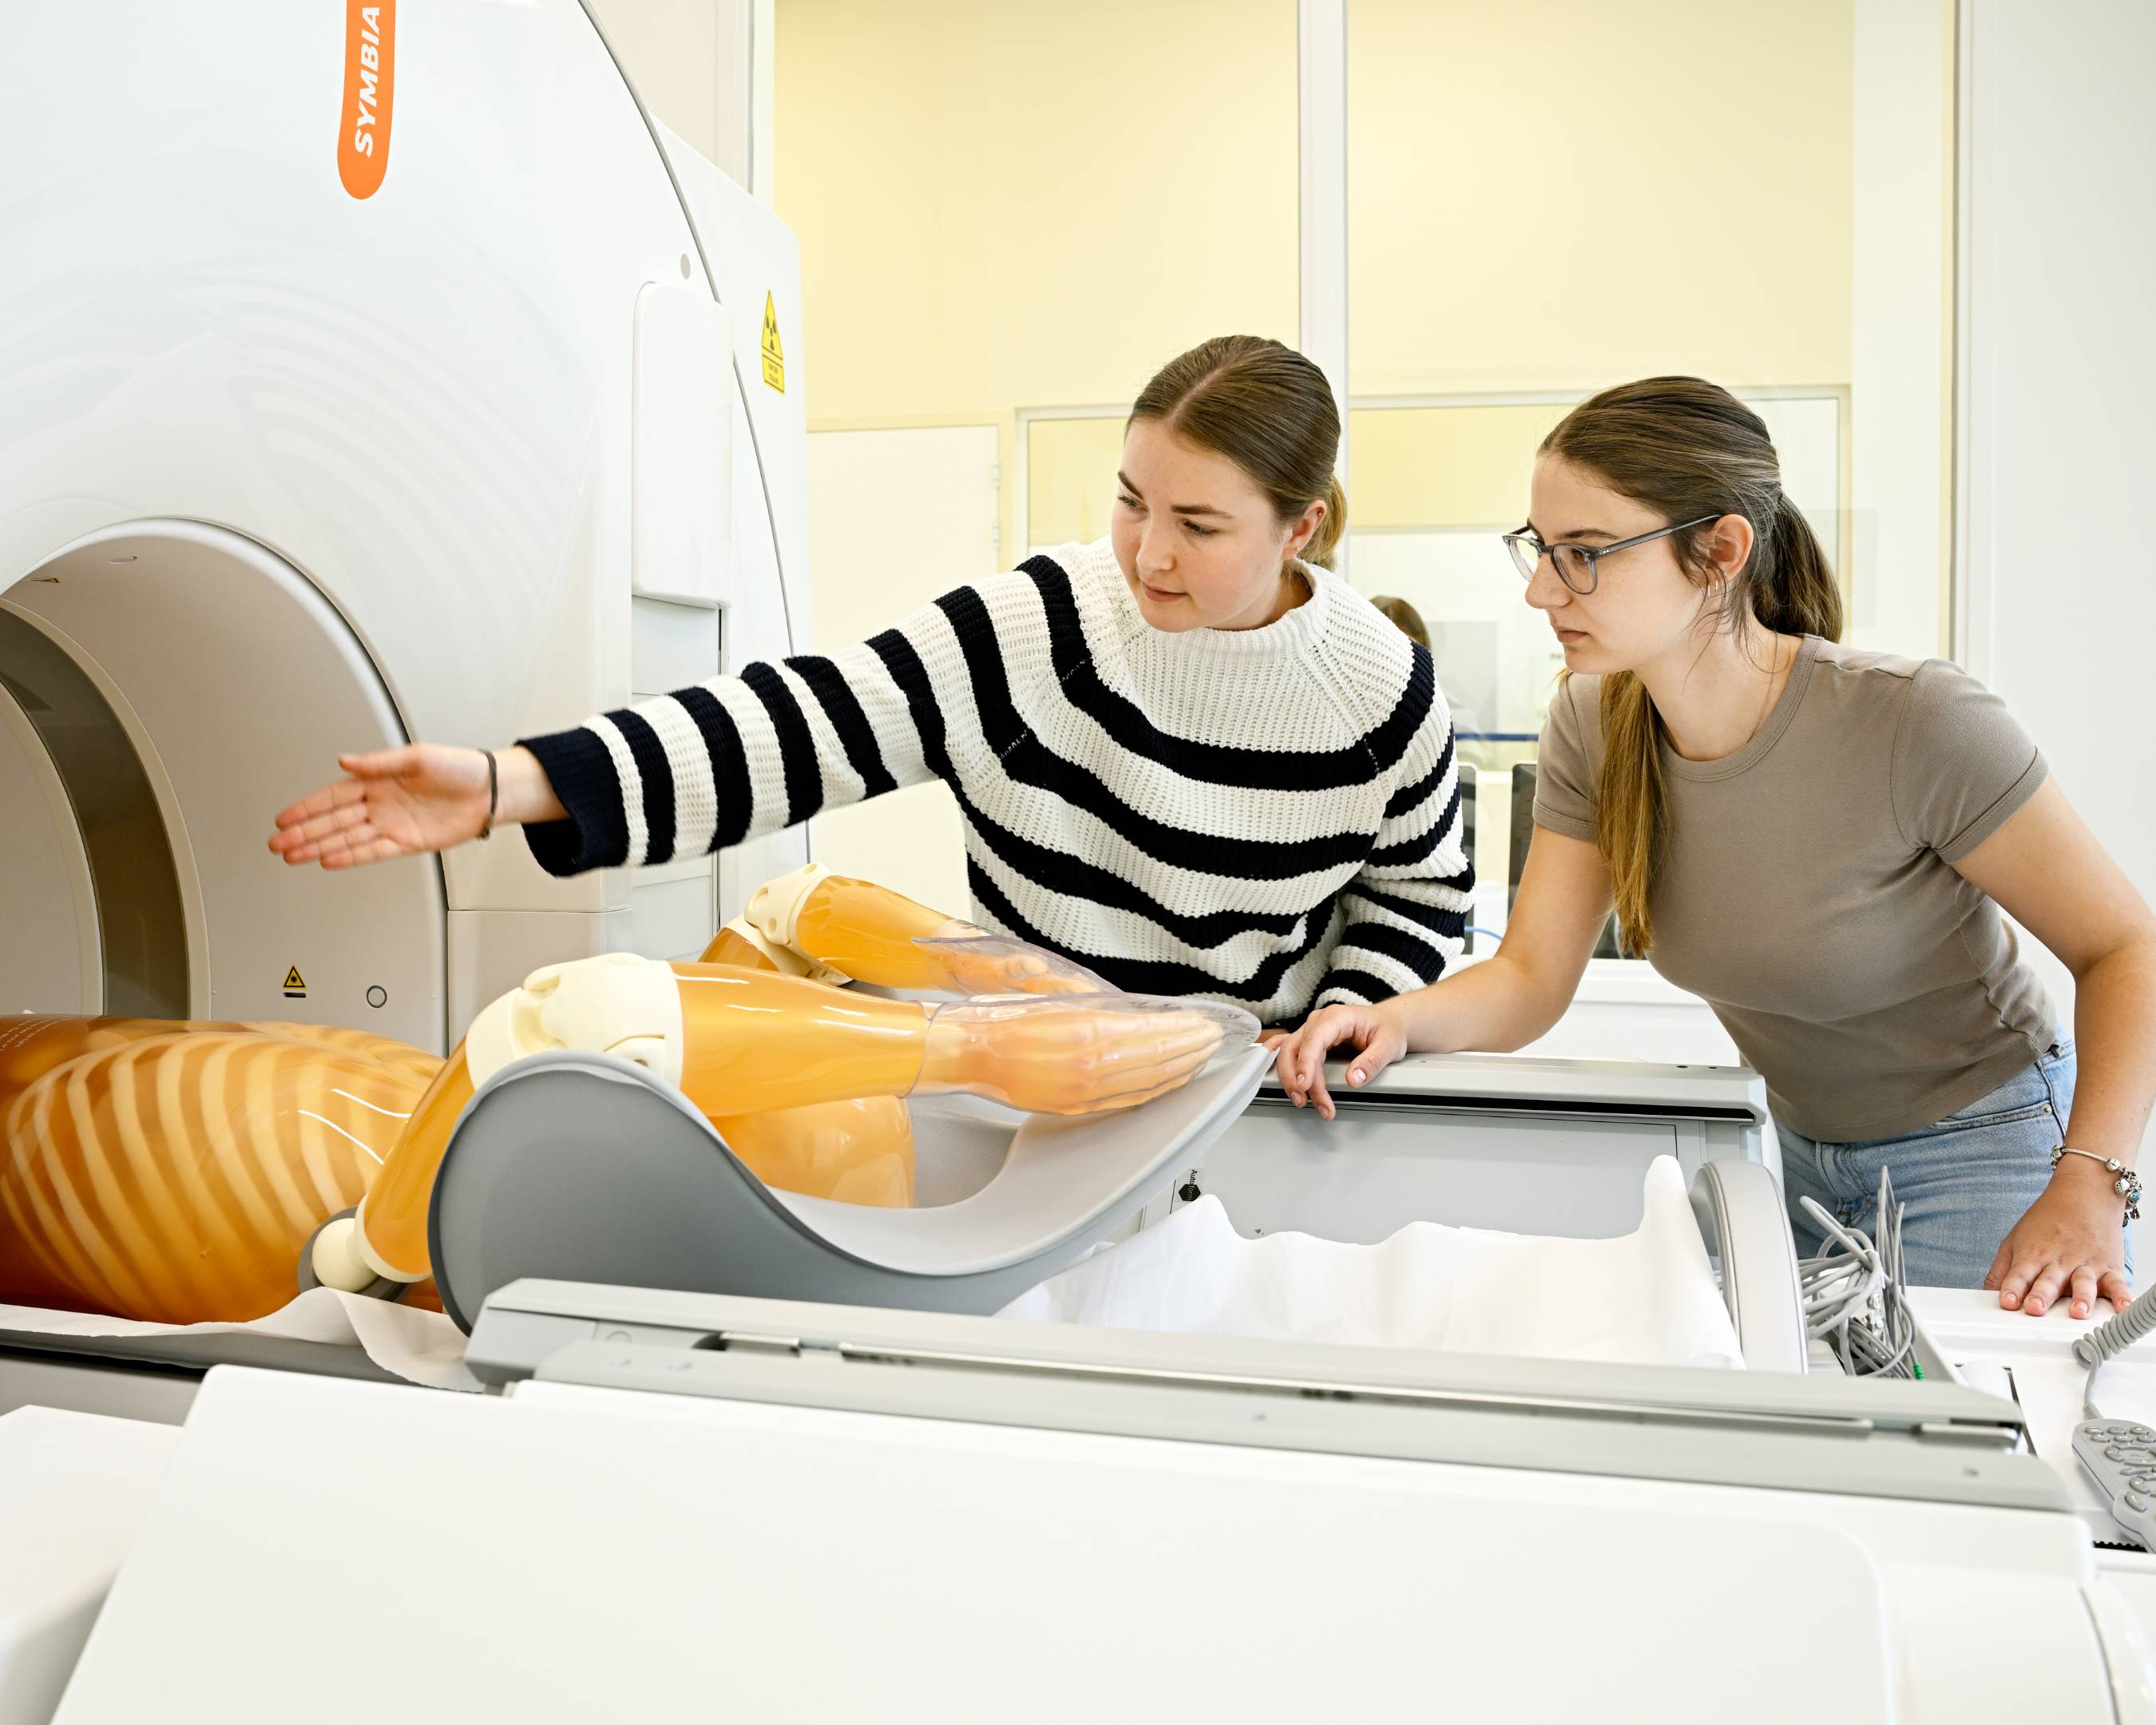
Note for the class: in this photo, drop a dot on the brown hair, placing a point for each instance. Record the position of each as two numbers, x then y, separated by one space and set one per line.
1403 616
1267 409
1685 448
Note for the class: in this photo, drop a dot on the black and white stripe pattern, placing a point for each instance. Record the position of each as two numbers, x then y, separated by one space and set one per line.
1270 817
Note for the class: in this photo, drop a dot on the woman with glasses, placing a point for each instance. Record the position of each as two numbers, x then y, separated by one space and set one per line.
1189 757
1824 844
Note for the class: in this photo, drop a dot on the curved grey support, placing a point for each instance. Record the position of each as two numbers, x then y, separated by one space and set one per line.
584 1167
1747 1230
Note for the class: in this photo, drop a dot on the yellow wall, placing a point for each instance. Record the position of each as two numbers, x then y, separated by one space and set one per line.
1412 467
1027 204
1552 194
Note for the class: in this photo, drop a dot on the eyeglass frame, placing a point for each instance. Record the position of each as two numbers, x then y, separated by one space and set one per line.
1593 553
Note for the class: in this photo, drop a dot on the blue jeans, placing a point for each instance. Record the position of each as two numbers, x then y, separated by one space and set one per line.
1966 1179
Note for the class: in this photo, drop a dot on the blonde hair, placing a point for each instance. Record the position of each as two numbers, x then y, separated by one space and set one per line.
1687 448
1403 616
1267 409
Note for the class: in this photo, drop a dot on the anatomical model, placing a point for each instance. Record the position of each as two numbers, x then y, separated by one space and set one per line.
173 1171
180 1171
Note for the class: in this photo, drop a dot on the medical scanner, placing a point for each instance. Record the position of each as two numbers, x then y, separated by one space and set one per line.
295 460
290 466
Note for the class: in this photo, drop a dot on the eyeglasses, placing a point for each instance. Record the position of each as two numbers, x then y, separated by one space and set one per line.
1576 563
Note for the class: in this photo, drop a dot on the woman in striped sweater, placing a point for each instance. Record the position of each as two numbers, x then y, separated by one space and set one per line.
1189 757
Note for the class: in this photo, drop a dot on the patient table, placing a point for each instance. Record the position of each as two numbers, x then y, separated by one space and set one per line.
578 1167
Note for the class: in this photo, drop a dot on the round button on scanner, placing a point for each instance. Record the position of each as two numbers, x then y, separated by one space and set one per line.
377 996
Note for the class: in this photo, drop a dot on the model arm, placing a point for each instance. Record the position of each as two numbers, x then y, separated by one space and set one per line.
738 1042
834 928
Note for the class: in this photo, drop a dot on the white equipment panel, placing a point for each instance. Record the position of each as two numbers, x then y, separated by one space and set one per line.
573 1554
73 1491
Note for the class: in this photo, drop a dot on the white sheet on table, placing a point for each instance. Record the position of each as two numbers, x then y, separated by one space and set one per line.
1646 1297
421 1347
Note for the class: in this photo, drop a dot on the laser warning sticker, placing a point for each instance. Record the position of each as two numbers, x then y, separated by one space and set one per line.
774 355
296 985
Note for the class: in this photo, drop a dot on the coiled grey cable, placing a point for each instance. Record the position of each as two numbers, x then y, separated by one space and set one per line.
2111 1337
1856 1293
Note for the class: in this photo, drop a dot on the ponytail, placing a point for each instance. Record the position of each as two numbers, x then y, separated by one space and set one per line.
1631 806
1686 449
1794 591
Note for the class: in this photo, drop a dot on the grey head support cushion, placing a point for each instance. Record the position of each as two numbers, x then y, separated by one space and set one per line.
584 1167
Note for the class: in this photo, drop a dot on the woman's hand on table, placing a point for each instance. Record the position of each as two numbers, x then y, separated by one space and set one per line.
2068 1242
1371 1036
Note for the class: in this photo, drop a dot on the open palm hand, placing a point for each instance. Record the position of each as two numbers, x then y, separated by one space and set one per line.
396 803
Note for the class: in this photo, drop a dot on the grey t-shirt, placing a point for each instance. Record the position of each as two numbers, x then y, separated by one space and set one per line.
1805 892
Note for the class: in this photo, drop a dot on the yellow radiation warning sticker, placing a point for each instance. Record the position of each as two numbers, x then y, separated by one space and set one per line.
296 985
774 355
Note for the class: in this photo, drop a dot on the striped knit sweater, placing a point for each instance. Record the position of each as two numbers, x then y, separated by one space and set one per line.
1267 816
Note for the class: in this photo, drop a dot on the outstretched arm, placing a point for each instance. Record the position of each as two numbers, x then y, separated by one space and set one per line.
404 802
696 771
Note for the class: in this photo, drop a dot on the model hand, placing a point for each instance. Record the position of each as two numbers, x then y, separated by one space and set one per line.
974 962
401 802
2068 1241
1067 1056
1370 1035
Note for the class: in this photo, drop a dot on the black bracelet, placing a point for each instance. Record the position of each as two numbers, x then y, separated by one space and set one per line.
493 794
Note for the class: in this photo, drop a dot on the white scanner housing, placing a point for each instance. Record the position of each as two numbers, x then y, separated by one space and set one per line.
285 472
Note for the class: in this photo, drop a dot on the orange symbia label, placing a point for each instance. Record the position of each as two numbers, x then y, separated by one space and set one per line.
370 40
